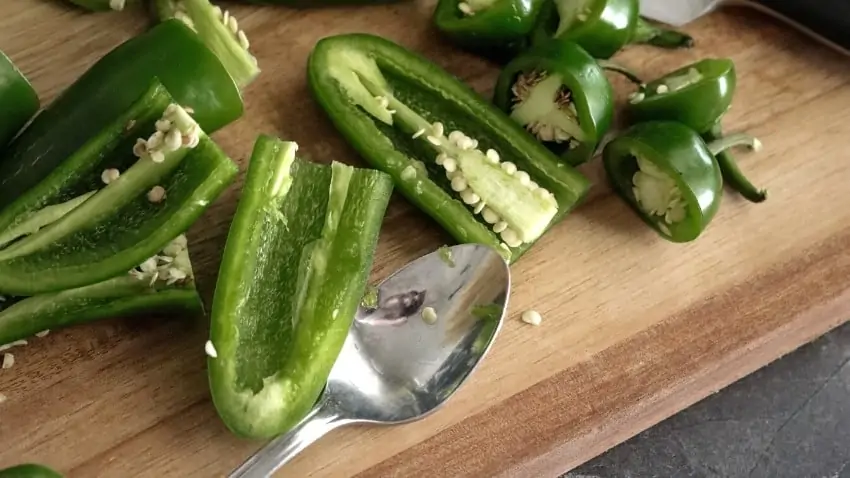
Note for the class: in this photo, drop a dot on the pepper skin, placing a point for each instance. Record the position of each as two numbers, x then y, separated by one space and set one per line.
18 100
454 155
602 27
108 89
589 92
496 29
294 269
29 470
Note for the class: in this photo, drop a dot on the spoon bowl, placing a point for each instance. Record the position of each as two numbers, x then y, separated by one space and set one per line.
399 363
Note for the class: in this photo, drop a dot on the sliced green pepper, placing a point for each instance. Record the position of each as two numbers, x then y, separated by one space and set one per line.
163 283
18 100
103 5
170 52
451 153
559 93
293 272
29 470
220 32
179 172
669 176
603 27
495 28
697 95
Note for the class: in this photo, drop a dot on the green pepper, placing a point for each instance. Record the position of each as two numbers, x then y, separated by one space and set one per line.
496 28
29 470
103 5
18 100
294 269
178 173
669 176
697 95
170 52
603 27
559 93
220 32
164 283
457 157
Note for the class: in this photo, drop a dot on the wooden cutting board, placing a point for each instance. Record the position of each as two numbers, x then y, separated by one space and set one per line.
635 328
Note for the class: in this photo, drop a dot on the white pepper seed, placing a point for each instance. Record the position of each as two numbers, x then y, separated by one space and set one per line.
117 5
163 125
8 360
209 348
490 216
42 334
662 89
433 140
441 158
500 227
532 317
437 129
149 265
233 24
469 197
243 40
420 133
217 11
459 184
466 143
140 148
225 17
509 167
511 238
636 97
532 185
541 193
456 136
492 156
155 141
450 164
109 175
523 177
465 8
429 315
157 194
173 140
157 156
479 207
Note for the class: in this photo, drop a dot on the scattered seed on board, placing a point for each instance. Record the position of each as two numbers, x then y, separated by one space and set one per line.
43 333
532 317
429 315
209 348
8 360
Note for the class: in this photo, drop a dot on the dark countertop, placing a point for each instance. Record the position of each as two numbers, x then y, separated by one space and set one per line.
790 419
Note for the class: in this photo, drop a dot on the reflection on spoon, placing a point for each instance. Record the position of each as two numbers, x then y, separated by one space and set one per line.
395 310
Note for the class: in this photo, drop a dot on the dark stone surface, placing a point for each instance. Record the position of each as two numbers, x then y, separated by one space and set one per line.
790 419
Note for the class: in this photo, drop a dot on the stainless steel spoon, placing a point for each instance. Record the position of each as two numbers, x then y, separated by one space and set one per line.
395 367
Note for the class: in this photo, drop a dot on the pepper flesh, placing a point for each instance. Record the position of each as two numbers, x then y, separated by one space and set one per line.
29 470
394 107
576 111
294 270
18 100
498 29
108 89
219 31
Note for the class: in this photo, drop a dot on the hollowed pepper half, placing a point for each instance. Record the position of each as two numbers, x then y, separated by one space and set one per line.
559 93
454 155
603 27
497 29
669 176
697 95
18 100
294 269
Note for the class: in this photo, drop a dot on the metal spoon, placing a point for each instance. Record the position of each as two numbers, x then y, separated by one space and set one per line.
394 366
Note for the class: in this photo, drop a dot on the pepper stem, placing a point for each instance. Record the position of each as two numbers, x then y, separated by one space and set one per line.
732 174
649 34
617 68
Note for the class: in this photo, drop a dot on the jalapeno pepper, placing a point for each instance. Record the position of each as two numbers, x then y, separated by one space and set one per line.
103 5
603 27
452 154
126 221
29 470
219 31
108 89
497 29
18 100
294 268
163 283
559 93
669 176
697 95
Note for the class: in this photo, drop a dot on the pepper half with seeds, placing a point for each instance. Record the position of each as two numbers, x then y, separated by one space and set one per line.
697 95
457 157
497 29
169 52
603 27
220 32
18 100
29 470
559 93
179 171
293 272
669 176
164 283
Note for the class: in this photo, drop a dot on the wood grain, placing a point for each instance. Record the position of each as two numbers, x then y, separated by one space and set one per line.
635 329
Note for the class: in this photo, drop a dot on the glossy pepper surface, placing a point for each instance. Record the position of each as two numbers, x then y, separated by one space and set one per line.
294 269
603 27
108 89
454 155
29 470
498 29
559 93
18 100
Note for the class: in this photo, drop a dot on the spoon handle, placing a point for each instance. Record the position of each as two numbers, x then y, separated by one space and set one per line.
284 448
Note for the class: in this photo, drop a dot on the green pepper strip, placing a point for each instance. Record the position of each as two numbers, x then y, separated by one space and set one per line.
119 226
29 470
352 75
572 114
121 296
498 29
18 100
732 174
293 272
170 52
220 32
